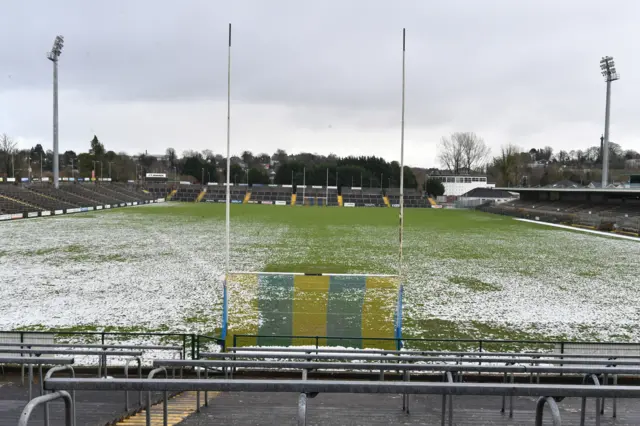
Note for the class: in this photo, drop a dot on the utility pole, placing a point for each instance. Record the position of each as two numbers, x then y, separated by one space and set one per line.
40 166
53 57
110 163
608 69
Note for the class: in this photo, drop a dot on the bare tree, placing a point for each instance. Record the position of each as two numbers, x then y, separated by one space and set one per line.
7 149
450 153
462 150
474 150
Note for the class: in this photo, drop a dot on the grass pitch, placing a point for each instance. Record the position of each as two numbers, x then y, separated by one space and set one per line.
467 274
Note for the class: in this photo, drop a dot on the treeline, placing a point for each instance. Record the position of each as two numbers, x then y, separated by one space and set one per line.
467 153
205 166
542 166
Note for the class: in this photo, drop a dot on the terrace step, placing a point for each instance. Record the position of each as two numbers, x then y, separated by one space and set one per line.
171 194
180 407
201 195
20 202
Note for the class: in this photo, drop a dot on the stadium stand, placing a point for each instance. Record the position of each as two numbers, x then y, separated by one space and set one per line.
365 197
412 197
65 196
42 202
316 196
612 210
218 194
156 190
87 191
187 193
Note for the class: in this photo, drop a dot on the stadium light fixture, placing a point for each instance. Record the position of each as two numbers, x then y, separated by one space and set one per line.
53 56
609 72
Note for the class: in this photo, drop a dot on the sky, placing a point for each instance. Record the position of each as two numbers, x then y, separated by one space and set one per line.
319 76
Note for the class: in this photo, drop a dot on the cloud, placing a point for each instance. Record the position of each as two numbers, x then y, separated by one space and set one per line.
322 77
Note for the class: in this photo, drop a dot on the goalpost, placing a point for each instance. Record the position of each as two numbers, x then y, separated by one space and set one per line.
284 308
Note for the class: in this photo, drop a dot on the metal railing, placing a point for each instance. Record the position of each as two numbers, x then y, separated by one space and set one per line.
69 415
310 388
187 341
30 362
466 345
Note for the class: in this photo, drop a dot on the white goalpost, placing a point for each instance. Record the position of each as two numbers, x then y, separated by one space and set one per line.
377 299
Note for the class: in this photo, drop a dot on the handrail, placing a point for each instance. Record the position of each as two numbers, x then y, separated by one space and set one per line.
553 407
593 379
413 358
126 376
73 392
31 361
337 386
165 397
69 352
310 387
236 349
310 365
31 405
89 345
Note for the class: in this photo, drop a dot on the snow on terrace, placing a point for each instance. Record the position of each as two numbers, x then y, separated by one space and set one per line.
119 270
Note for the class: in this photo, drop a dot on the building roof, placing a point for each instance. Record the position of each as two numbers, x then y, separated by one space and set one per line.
563 184
488 193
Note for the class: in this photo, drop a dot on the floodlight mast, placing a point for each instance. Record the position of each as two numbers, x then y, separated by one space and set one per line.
53 56
608 69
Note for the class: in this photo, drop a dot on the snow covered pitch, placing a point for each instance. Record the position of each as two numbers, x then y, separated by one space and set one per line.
468 274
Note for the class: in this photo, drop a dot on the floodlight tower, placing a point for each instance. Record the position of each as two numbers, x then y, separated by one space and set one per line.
608 69
53 57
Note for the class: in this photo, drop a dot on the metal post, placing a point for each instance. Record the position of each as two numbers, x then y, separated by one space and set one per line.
302 409
553 407
56 175
605 147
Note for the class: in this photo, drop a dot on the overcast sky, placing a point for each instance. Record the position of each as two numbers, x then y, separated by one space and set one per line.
319 76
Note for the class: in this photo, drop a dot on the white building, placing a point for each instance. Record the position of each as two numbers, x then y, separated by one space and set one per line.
458 185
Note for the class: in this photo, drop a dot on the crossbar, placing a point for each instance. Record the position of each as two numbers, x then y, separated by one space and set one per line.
333 386
364 357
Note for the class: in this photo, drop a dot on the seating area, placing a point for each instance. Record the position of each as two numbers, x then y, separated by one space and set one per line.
40 201
218 194
365 197
187 193
43 199
620 215
316 197
158 190
270 194
89 192
411 197
336 386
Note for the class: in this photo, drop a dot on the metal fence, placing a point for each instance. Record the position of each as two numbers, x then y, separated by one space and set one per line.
470 345
188 342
